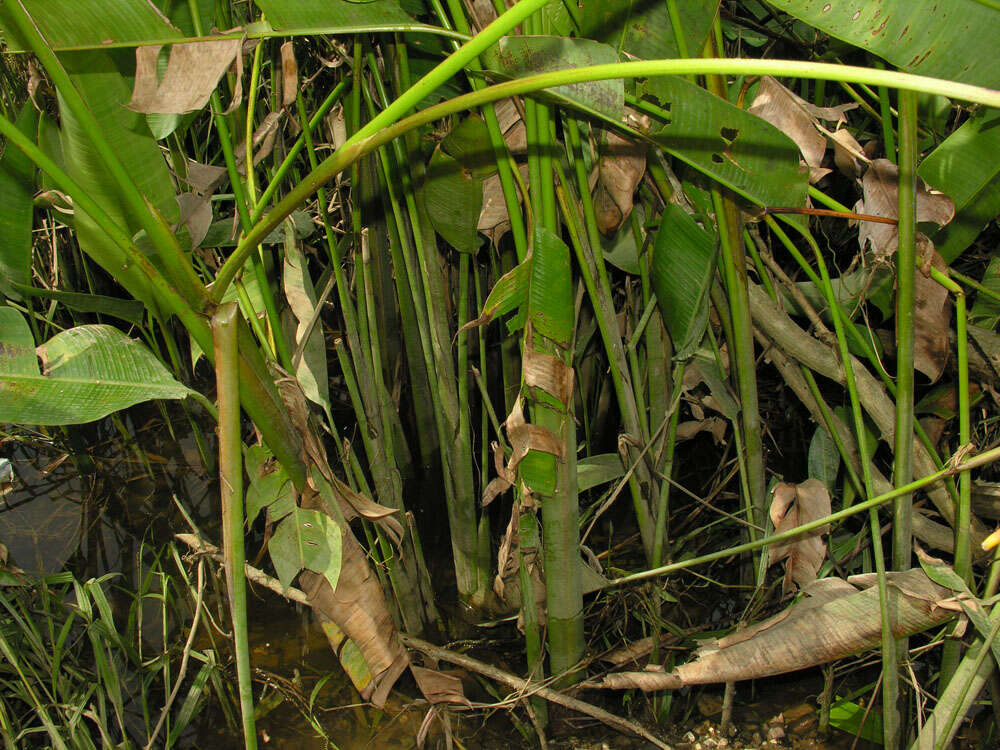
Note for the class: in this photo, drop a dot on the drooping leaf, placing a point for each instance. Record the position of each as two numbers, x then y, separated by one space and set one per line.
17 186
966 168
880 197
518 56
798 119
469 144
621 167
683 268
599 469
454 200
643 29
793 505
90 371
509 293
129 310
954 40
306 540
311 369
740 150
193 71
69 24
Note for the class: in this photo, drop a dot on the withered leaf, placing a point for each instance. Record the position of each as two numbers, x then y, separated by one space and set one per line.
798 119
791 506
880 188
192 73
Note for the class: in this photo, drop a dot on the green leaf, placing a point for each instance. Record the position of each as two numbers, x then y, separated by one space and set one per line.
17 186
306 539
311 370
824 458
955 40
734 147
856 720
90 371
518 56
550 291
332 16
273 491
683 268
509 293
469 143
129 310
90 23
107 90
966 168
454 200
643 29
599 469
986 310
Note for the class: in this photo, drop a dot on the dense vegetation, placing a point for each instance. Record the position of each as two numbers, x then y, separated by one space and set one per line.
580 279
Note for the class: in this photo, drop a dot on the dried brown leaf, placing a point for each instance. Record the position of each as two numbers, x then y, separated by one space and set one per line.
193 71
439 687
792 506
289 74
798 119
932 319
549 373
620 169
880 189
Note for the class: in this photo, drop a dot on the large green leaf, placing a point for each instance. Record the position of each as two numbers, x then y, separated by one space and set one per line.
966 167
454 200
740 150
518 56
306 539
105 84
642 28
69 24
90 371
332 16
17 186
550 290
683 268
955 40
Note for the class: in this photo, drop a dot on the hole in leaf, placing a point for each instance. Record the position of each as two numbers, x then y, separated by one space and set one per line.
717 158
729 134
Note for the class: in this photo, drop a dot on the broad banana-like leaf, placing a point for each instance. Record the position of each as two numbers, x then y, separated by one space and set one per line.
643 29
89 372
683 268
293 17
17 186
966 168
75 24
955 40
550 290
732 146
519 56
306 540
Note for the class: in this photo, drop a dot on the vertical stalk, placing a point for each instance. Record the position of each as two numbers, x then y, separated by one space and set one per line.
224 331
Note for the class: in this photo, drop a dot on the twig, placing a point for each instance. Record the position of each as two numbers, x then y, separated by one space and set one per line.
526 686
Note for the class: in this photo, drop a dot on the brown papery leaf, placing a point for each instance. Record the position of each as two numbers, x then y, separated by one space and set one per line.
439 687
798 119
289 74
621 166
192 73
932 317
880 187
846 622
793 505
549 373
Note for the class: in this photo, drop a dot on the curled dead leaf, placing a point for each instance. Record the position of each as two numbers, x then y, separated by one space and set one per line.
193 71
791 506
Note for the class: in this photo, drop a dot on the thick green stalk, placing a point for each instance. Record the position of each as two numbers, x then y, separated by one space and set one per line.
902 529
225 324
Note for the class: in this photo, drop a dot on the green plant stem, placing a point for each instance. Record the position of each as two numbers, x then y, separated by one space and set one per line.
224 328
983 459
388 127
